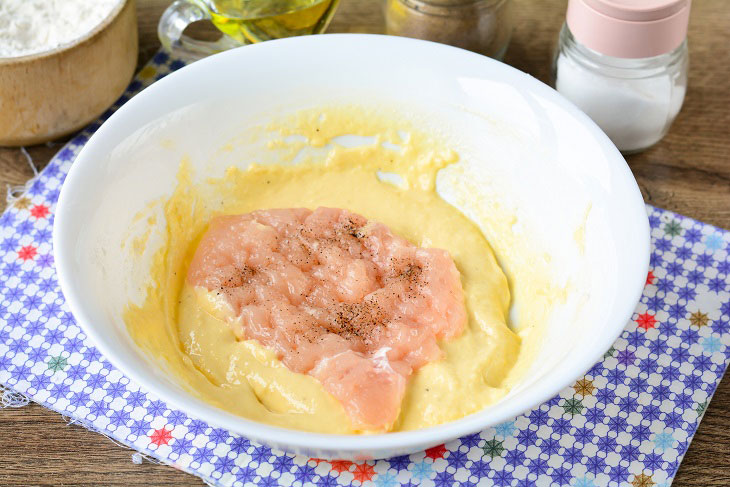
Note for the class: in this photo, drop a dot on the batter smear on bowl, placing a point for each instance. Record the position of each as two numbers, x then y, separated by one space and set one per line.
335 296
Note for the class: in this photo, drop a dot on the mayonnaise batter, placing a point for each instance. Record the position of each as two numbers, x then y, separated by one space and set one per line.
391 179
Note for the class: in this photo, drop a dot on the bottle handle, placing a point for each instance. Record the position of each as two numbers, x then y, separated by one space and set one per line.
173 22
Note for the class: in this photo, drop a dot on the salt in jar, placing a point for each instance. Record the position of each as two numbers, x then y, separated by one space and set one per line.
624 63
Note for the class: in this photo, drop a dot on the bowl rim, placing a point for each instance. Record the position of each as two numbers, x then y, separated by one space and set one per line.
350 443
97 30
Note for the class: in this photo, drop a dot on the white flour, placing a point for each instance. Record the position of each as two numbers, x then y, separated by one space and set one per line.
33 26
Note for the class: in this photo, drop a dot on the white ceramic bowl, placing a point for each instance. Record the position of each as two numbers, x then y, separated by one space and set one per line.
530 151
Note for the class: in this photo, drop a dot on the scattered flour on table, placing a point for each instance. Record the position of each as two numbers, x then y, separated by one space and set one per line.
34 26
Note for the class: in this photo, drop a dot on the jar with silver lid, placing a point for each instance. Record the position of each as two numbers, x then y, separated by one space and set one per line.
625 65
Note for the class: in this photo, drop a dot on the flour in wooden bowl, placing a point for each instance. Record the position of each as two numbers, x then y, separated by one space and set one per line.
35 26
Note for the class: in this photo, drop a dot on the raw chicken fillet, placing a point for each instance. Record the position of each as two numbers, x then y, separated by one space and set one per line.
336 297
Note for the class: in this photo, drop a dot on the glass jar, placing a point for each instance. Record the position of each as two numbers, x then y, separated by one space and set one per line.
633 97
241 22
483 26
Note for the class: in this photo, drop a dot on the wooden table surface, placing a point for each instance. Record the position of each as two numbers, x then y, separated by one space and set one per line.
687 172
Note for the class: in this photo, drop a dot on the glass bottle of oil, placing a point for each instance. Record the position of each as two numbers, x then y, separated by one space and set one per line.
242 22
257 21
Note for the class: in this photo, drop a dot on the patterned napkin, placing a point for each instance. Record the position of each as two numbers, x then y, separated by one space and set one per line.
628 421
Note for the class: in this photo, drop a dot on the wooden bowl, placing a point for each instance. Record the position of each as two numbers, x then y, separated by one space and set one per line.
47 95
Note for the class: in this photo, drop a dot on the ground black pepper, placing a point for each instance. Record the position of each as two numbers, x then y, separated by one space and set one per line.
482 26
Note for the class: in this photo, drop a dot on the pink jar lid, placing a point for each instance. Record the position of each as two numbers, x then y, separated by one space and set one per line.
629 28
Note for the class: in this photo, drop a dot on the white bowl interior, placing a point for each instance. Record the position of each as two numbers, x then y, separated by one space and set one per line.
525 149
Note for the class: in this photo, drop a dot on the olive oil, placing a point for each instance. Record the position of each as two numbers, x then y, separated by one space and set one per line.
250 21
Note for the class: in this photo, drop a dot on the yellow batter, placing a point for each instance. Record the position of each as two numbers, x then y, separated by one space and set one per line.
183 325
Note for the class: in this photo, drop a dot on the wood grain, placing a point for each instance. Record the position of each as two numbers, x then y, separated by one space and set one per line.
49 95
687 172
